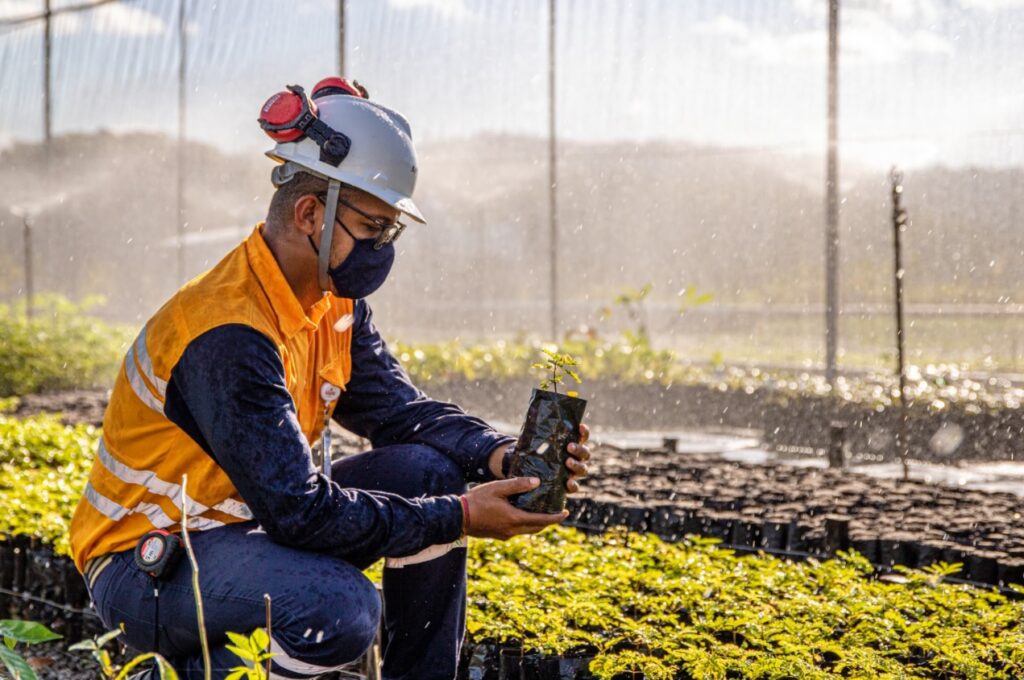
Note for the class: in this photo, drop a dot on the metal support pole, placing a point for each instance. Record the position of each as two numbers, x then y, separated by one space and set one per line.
29 277
47 83
182 55
837 445
899 225
341 37
553 172
832 200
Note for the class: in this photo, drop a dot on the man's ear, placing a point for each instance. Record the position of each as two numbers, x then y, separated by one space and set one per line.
306 214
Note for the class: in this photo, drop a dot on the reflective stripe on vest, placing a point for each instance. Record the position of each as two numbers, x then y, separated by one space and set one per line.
139 369
154 513
159 487
142 352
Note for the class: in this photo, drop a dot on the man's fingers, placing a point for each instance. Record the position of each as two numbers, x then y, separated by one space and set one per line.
538 520
584 434
579 451
577 468
510 487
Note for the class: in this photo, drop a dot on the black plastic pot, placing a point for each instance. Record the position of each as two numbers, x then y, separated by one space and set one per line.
538 667
482 663
510 663
552 423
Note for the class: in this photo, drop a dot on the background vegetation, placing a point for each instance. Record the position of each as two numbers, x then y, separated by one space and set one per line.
60 347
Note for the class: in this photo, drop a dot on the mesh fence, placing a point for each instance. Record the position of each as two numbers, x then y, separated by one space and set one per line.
690 145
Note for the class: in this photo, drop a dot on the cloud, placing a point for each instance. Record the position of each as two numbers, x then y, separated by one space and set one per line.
866 36
992 5
916 11
723 26
121 19
15 9
113 19
452 9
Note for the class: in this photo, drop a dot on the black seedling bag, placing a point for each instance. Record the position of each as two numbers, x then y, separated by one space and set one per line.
552 422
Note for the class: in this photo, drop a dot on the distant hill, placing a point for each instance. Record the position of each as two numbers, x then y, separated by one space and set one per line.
747 226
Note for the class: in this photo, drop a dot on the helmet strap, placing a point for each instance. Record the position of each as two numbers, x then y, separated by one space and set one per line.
326 234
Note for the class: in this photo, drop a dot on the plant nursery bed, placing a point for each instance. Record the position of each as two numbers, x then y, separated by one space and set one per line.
563 605
786 508
620 604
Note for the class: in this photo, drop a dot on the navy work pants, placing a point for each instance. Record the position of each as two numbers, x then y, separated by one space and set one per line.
325 612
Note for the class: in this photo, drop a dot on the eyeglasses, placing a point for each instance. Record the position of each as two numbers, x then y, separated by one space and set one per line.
389 231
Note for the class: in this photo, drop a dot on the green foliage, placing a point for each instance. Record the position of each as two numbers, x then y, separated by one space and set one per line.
559 365
663 609
692 299
23 632
632 301
632 359
254 650
61 347
44 466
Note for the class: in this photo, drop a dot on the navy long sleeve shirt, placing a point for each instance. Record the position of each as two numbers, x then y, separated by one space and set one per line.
228 392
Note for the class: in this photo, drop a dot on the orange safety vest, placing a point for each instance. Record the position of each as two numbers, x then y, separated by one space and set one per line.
135 483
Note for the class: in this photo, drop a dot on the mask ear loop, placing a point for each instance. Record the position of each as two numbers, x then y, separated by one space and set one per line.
326 233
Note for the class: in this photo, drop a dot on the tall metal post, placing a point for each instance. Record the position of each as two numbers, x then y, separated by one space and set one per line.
552 172
29 278
182 62
899 225
341 38
47 154
832 200
47 83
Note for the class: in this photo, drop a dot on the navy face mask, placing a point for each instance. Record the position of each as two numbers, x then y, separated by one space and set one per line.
364 270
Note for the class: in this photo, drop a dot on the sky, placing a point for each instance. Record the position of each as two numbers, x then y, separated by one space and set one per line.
921 81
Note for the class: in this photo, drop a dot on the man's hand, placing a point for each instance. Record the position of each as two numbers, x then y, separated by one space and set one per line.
492 516
577 462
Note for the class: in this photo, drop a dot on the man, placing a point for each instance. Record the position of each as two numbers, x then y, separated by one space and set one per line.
230 383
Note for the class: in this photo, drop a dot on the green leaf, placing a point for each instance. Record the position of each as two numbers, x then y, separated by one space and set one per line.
84 646
260 639
16 666
239 639
29 632
108 636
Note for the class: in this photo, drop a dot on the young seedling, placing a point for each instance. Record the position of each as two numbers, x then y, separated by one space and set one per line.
559 365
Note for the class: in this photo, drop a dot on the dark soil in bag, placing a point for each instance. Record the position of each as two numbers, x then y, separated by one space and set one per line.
552 423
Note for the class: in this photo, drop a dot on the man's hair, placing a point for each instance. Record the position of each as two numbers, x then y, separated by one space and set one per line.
282 203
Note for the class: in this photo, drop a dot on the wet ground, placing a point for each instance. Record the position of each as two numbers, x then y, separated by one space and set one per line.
745 447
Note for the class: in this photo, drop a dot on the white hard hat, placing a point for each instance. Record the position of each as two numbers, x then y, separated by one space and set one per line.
381 159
